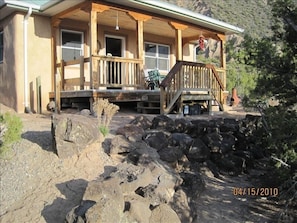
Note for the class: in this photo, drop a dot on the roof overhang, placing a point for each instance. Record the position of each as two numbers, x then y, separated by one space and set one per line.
52 7
181 14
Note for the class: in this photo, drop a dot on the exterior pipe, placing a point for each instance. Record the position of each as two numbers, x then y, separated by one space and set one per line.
26 92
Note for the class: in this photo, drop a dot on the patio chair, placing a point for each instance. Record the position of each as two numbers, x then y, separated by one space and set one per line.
153 79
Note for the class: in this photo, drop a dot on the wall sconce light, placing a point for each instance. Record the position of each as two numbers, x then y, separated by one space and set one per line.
117 22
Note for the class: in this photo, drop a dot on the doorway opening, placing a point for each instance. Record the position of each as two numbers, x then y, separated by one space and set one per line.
115 47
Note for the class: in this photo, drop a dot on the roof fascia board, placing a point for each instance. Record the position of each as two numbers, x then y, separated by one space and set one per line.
20 5
25 5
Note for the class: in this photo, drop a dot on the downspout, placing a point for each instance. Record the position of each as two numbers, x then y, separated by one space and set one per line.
26 92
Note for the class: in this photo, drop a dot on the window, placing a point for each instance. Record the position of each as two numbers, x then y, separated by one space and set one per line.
157 56
1 46
72 45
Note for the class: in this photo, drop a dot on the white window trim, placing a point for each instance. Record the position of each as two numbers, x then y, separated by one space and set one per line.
157 53
66 47
116 37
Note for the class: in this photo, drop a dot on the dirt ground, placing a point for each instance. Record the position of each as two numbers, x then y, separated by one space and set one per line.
37 186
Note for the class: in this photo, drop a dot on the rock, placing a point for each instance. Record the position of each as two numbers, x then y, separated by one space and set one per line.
132 177
193 184
170 154
156 138
85 112
143 155
228 142
164 214
132 132
120 145
137 209
199 128
163 122
229 125
181 206
198 151
181 140
73 133
213 140
77 214
142 121
182 125
231 164
109 200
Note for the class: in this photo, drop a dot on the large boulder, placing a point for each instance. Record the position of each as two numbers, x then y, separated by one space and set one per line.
71 134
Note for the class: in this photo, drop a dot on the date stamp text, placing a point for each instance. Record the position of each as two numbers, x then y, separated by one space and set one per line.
256 191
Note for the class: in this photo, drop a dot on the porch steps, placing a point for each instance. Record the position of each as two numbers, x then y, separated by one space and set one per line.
150 103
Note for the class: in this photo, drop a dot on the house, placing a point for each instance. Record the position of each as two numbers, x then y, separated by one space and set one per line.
74 49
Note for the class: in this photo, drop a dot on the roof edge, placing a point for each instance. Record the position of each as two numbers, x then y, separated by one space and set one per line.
186 13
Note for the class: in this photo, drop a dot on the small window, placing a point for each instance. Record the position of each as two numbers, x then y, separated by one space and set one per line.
1 46
72 45
157 56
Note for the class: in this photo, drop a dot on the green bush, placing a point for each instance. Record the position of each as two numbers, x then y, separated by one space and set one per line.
13 131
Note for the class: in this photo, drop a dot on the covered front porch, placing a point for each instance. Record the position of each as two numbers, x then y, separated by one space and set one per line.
118 44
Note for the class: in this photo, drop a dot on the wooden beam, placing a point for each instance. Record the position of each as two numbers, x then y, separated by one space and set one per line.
178 44
92 6
178 26
70 10
223 60
221 37
140 39
139 16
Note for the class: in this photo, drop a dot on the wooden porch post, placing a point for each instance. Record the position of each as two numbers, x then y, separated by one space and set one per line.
223 56
94 9
178 39
93 43
140 19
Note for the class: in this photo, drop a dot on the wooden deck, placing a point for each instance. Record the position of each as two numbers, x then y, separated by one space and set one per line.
85 98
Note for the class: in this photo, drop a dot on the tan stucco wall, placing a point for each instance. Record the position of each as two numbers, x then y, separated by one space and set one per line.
39 62
9 68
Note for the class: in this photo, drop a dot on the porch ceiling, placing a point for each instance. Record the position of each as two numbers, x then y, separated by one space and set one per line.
156 26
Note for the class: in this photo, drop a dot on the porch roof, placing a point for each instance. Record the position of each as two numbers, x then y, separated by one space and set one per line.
51 7
182 14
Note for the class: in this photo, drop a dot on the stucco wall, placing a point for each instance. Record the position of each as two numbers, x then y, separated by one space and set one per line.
9 68
39 62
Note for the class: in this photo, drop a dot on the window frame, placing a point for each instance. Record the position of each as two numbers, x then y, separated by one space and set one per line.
66 47
157 55
2 46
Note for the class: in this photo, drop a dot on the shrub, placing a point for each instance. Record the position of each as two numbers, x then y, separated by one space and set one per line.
10 131
105 111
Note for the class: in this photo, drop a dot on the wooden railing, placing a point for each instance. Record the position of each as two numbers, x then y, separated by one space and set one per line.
117 72
189 76
68 83
107 72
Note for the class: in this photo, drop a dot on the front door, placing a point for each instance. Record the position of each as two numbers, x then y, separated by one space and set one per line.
114 46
